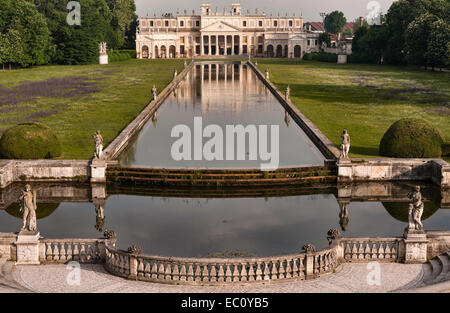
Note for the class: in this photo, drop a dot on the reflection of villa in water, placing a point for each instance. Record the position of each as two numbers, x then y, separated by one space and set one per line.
223 33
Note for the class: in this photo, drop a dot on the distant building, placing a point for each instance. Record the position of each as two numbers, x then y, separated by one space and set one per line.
226 33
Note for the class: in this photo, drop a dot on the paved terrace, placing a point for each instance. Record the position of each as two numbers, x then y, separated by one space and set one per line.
351 278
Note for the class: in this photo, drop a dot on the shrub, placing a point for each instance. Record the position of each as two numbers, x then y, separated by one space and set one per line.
321 57
412 138
29 141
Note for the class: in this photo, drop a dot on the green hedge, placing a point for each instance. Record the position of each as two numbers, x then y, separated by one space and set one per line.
29 141
121 55
412 138
321 57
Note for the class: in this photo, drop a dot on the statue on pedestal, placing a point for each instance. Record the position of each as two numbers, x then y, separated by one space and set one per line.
415 210
98 141
267 74
154 92
287 93
102 49
28 209
175 73
345 145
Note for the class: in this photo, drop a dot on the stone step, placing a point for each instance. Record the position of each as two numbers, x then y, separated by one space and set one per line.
436 266
445 261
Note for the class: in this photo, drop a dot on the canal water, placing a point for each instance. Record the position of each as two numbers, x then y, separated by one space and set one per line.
193 227
221 94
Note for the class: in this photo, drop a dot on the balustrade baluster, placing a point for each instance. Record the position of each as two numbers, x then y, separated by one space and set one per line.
381 251
295 268
205 274
76 252
288 269
367 250
251 273
175 272
244 275
221 274
190 274
154 271
387 251
161 270
168 271
198 273
213 274
147 270
228 273
361 250
69 251
49 251
140 268
354 250
236 272
347 251
62 252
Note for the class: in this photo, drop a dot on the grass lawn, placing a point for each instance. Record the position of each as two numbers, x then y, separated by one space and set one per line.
364 99
75 101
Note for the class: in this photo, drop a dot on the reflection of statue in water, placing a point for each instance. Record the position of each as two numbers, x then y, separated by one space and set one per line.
287 118
155 118
100 218
345 145
415 210
343 216
28 208
98 141
154 92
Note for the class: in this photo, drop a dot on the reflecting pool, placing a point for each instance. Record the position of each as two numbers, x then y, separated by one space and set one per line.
181 225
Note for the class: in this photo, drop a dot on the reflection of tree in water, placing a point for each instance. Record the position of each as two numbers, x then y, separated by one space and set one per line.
43 210
399 210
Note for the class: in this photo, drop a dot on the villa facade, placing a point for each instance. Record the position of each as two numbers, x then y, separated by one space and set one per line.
227 33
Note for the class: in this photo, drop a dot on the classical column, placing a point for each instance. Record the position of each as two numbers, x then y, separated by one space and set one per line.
232 44
209 44
217 44
225 41
202 52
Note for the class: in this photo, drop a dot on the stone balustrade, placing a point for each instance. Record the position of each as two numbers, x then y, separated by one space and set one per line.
211 271
66 250
364 249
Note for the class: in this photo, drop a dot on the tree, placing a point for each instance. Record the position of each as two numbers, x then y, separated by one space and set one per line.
77 44
369 44
334 22
417 36
438 49
25 38
123 23
324 37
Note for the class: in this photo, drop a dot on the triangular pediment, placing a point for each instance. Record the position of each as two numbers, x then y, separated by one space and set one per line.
220 27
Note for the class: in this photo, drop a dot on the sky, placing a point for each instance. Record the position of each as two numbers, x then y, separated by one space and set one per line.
310 8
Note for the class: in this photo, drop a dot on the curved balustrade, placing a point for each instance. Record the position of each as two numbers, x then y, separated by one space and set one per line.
219 271
66 250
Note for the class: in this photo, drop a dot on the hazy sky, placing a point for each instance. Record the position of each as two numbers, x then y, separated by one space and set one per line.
310 8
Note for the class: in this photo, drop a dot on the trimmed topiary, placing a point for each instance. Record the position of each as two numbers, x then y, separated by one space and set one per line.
29 141
412 138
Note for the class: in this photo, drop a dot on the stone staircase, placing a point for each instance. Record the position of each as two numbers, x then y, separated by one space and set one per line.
435 276
437 270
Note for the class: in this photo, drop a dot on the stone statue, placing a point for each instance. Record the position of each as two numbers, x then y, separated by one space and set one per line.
267 74
154 92
287 93
175 73
415 210
102 48
256 63
98 141
287 118
324 45
100 217
28 209
343 216
345 145
185 63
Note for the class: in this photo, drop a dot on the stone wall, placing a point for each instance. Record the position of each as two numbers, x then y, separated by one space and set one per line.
435 170
42 170
7 248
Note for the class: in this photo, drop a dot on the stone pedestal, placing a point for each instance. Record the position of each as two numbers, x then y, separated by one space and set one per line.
415 246
98 171
27 244
345 170
342 59
103 59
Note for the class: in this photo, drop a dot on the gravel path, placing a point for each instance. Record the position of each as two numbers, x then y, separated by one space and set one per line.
94 279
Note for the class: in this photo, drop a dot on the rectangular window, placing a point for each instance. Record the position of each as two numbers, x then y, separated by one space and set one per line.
275 23
315 42
290 24
260 23
244 23
151 23
182 40
166 23
182 24
197 23
182 49
309 42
